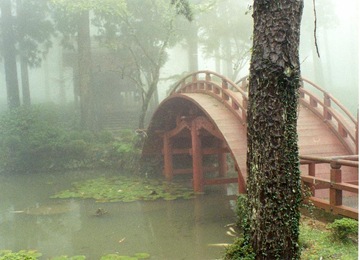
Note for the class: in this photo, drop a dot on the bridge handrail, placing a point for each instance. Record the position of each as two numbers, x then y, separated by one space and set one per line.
332 98
344 124
335 184
243 81
208 78
223 89
219 87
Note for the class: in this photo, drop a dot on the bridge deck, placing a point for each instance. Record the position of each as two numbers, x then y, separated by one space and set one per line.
315 137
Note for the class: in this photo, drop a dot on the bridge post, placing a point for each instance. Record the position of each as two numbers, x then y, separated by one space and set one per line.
335 177
312 171
327 104
168 160
198 178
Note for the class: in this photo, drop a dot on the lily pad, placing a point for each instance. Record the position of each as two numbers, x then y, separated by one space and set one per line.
22 254
126 189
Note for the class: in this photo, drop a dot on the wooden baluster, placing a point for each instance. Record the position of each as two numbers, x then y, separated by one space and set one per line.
312 172
244 110
301 90
342 130
335 177
194 80
327 104
208 81
207 77
224 86
313 102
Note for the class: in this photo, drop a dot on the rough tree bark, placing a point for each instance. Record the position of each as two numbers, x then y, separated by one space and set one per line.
274 191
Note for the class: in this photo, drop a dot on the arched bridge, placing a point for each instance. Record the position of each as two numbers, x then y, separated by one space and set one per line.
205 116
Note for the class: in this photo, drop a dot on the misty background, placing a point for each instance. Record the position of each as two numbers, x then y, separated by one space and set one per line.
218 23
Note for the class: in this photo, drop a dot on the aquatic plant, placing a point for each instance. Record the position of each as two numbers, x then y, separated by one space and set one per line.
126 189
20 255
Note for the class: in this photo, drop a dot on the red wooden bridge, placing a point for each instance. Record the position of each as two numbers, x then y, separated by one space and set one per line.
205 117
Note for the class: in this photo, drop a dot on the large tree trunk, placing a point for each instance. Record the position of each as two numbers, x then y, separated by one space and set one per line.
9 52
274 191
85 71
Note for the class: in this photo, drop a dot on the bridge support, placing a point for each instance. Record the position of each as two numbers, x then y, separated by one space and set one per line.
189 131
198 174
168 157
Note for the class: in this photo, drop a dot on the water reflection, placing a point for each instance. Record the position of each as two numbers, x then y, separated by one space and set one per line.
180 229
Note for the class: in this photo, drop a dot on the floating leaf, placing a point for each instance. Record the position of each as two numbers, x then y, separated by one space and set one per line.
125 189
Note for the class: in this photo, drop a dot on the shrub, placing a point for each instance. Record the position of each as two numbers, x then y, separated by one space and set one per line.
343 229
239 250
37 139
241 211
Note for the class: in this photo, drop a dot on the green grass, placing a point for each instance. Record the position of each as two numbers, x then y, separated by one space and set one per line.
317 243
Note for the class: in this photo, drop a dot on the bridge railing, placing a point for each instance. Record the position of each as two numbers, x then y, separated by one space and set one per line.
328 108
335 184
214 84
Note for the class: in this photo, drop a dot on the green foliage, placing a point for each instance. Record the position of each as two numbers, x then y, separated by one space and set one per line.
126 189
20 255
33 30
39 139
183 8
343 229
315 243
241 211
113 7
239 250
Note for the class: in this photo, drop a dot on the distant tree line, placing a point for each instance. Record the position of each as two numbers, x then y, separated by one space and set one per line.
138 33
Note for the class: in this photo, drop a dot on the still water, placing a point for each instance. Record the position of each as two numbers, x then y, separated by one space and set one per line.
167 230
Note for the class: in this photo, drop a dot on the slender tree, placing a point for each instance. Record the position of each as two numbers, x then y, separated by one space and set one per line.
274 191
33 35
9 52
142 37
73 21
225 35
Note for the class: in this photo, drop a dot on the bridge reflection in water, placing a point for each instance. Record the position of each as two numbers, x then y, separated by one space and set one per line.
205 116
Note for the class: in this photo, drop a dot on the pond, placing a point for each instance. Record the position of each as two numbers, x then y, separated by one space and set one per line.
177 229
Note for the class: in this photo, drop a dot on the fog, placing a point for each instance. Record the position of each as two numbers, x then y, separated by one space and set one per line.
337 69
